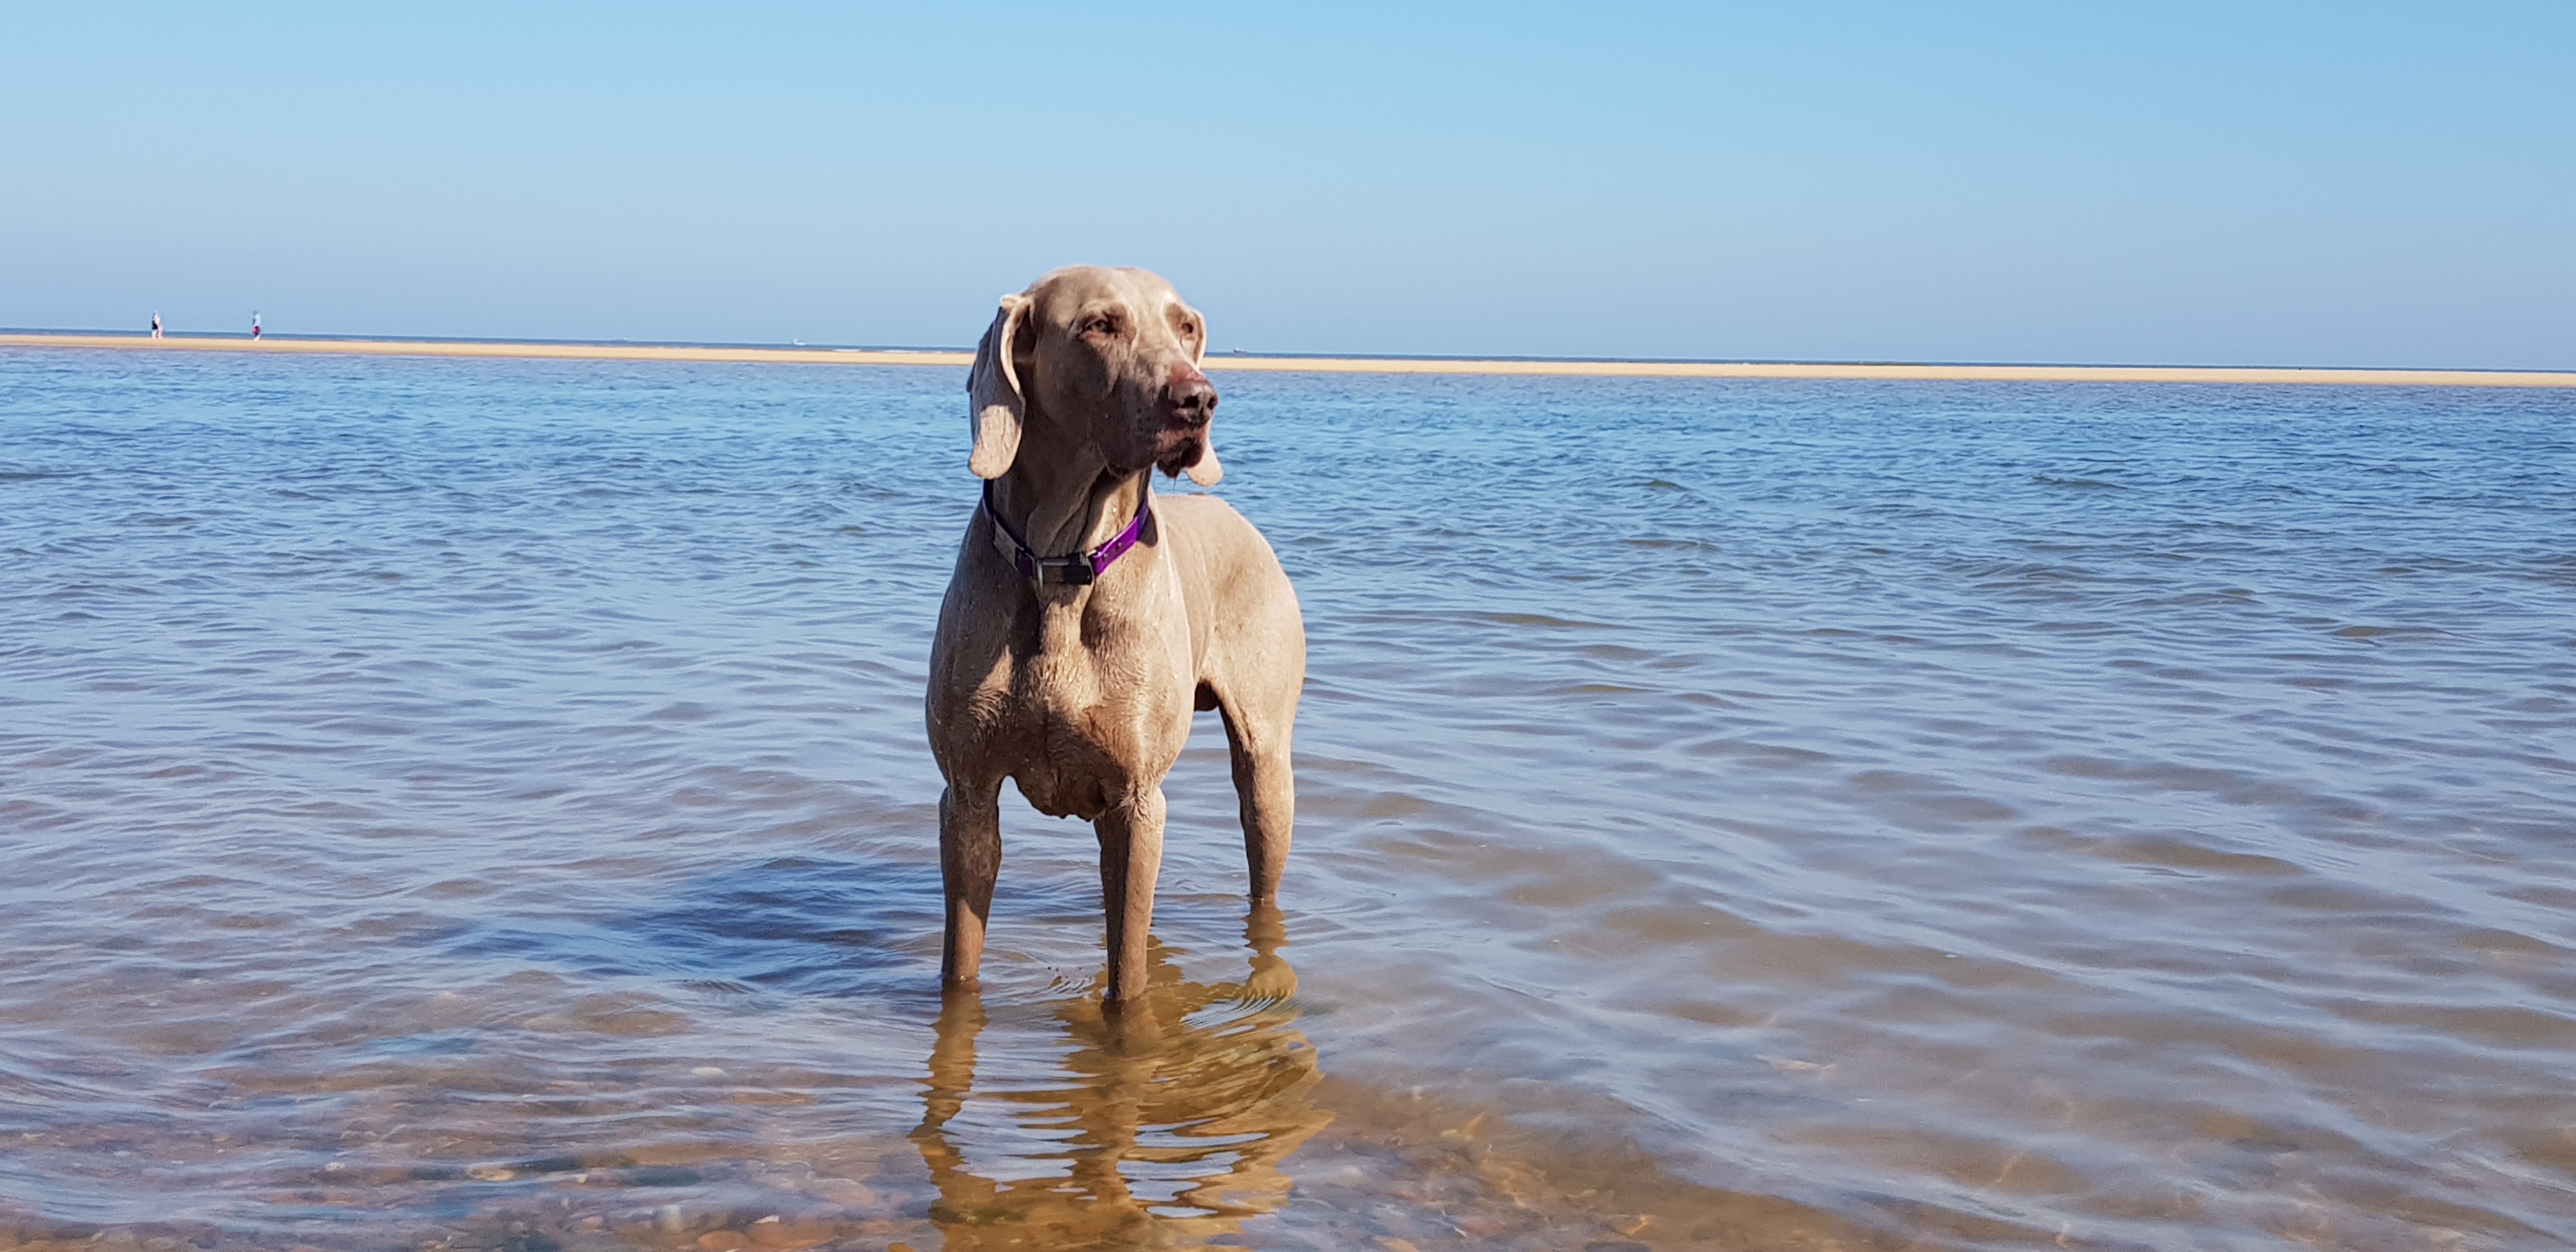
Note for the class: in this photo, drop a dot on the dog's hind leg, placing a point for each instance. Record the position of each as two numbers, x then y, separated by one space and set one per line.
970 857
1131 858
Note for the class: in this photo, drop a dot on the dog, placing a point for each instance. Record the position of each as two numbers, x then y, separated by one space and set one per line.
1088 618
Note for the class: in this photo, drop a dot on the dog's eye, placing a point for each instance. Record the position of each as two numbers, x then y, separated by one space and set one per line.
1103 325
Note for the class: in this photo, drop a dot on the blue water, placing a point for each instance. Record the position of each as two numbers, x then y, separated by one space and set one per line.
483 804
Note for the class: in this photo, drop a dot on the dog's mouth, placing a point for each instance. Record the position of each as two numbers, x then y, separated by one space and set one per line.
1179 448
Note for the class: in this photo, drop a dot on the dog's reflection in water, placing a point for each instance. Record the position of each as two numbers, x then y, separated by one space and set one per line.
1168 1124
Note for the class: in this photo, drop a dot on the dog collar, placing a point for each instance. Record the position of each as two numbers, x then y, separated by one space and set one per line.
1078 569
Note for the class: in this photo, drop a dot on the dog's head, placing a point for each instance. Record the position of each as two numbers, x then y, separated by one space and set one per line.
1099 359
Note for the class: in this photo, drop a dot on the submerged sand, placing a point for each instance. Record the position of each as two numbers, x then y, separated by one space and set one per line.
1881 371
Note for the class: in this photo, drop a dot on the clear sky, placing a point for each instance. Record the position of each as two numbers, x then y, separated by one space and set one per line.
2284 183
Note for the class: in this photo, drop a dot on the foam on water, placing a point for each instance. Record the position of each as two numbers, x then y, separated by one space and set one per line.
483 804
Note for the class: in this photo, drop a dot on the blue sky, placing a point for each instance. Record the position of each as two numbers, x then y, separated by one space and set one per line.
2286 183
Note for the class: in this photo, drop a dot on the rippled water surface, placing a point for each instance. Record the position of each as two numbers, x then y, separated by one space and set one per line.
483 805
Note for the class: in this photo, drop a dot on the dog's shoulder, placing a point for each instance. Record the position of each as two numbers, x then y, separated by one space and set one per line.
1206 531
1205 518
1227 567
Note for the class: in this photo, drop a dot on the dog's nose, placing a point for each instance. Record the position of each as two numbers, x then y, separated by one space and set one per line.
1189 397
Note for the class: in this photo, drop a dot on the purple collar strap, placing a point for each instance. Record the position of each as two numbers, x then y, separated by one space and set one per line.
1080 568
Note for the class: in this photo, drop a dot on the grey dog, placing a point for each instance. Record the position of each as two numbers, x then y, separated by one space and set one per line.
1088 617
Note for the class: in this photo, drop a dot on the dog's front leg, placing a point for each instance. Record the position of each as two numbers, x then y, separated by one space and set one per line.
1131 857
970 857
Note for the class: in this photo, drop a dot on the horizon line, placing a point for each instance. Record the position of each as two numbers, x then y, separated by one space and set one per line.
1271 362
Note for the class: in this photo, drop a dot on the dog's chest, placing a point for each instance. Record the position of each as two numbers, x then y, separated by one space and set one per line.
1086 716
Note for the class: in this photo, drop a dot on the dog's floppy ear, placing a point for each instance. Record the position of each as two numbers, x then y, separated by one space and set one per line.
993 399
1206 470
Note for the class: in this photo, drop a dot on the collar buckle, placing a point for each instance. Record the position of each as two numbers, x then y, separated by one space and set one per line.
1081 569
1071 571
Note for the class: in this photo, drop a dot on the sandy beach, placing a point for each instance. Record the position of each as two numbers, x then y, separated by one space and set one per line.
1880 371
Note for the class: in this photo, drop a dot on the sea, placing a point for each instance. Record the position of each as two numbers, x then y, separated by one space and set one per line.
483 804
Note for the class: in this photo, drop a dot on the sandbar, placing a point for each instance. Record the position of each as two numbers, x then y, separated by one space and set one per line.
1851 371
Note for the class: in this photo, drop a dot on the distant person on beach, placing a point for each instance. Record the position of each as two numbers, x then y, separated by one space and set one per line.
254 325
156 325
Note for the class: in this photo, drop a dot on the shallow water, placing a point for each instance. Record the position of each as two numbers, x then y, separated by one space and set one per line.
483 805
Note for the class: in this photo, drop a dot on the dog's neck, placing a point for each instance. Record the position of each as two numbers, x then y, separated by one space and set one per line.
1066 504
